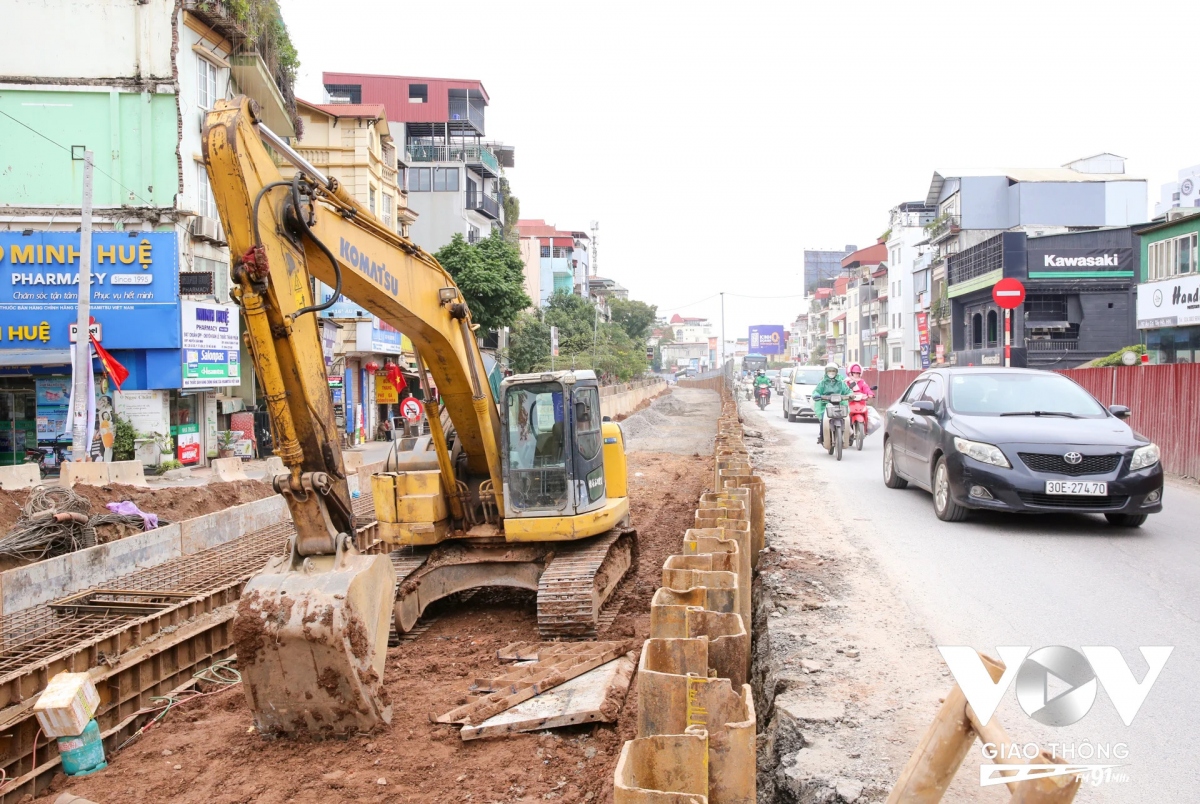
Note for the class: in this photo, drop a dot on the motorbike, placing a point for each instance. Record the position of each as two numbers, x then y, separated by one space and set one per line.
835 423
763 396
858 418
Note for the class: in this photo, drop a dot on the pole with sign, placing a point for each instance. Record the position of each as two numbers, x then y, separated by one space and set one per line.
1008 294
553 346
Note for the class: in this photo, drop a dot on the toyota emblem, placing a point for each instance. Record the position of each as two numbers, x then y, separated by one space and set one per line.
1073 458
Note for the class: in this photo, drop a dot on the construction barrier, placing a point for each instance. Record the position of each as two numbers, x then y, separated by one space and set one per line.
20 476
100 473
228 470
696 720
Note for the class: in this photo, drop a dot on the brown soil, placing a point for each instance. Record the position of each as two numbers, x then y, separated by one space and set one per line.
222 760
173 504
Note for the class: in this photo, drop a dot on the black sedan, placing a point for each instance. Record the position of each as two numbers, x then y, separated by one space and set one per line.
1018 440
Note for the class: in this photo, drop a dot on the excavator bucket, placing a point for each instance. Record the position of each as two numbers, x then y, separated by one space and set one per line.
311 639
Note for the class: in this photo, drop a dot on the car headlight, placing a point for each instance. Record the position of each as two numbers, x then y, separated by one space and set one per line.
1144 457
984 453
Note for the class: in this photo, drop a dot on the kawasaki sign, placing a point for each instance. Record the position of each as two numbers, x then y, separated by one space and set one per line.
1076 263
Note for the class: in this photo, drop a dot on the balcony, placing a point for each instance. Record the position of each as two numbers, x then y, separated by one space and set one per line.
477 157
484 204
944 228
468 111
219 14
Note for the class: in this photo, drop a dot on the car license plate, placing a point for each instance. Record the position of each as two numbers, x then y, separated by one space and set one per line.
1082 488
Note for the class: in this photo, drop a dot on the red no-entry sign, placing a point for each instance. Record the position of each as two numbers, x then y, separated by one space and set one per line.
412 409
1008 293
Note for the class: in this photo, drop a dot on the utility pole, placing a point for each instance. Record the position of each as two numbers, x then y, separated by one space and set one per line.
83 340
595 248
722 331
595 333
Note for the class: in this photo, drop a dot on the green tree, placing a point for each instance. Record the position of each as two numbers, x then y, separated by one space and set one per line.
490 275
512 210
635 317
584 341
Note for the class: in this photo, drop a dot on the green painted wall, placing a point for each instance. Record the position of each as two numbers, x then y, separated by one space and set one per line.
133 137
1177 228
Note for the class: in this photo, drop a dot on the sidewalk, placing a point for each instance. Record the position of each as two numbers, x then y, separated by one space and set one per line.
371 452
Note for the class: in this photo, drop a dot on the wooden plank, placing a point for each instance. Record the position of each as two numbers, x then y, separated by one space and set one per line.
580 700
561 670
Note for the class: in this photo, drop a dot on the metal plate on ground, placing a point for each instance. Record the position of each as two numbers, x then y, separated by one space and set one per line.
580 700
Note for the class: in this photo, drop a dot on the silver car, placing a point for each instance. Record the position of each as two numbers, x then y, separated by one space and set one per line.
797 393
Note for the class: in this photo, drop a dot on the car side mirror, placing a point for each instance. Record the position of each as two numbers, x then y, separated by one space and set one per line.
1120 411
923 408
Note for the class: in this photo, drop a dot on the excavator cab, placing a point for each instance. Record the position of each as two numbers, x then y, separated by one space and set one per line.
552 444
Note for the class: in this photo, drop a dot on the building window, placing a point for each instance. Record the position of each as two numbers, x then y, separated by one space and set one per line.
561 253
371 199
220 272
993 329
419 180
387 209
402 179
472 234
896 356
977 331
418 93
207 89
445 180
206 205
1172 257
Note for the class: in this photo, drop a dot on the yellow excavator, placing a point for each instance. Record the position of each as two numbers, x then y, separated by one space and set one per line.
527 493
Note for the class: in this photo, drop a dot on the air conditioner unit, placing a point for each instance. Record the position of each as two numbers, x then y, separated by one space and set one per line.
209 229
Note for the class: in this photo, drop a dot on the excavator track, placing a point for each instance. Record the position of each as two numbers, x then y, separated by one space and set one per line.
579 579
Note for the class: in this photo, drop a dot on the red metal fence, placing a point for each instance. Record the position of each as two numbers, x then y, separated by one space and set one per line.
1165 400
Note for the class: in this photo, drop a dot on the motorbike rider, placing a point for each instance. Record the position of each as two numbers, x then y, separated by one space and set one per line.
829 384
762 380
856 383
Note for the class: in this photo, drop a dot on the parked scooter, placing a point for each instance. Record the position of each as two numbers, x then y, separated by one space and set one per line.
763 394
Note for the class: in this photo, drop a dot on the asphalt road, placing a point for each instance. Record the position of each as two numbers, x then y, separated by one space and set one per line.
1047 580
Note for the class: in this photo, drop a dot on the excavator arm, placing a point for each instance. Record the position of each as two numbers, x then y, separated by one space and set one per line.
311 631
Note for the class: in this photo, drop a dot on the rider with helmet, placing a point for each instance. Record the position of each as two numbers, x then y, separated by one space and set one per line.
855 381
829 384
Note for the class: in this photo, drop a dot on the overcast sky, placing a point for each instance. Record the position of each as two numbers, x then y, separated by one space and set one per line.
714 142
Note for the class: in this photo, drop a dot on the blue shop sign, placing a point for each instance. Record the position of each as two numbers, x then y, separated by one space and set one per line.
135 289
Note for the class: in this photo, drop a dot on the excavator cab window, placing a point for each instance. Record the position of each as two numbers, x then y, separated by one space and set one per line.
535 425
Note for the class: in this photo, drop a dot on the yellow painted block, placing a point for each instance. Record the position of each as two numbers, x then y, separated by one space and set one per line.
418 482
384 489
421 508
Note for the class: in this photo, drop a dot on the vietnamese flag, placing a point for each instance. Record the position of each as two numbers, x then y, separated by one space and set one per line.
112 368
396 378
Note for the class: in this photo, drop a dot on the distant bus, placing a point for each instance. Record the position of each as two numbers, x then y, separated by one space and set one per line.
752 363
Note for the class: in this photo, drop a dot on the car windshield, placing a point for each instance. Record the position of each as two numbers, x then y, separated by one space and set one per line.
1016 394
807 376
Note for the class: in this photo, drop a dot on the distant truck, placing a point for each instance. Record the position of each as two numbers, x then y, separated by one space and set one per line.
752 363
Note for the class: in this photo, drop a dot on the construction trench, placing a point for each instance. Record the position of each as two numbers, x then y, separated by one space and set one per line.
145 614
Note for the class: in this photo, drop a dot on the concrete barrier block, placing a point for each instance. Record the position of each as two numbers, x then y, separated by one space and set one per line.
228 469
20 476
131 473
274 467
220 527
24 587
352 461
91 473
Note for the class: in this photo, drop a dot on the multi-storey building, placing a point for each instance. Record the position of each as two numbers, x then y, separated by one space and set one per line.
907 284
131 81
1168 300
555 261
821 267
1183 192
975 207
451 173
866 303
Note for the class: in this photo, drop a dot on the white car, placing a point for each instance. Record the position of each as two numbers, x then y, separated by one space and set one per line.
797 394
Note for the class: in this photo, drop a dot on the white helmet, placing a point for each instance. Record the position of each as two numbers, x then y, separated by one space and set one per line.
831 367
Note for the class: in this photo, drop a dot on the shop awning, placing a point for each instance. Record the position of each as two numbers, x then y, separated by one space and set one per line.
34 357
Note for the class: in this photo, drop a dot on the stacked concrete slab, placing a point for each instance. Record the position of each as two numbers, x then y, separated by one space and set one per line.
696 721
